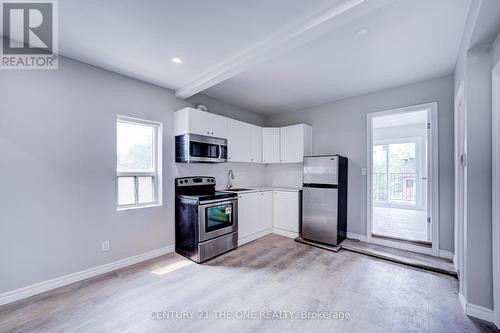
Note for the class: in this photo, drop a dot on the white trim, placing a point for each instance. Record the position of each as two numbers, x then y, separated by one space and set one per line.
496 190
285 233
356 236
295 34
476 311
257 235
446 254
41 287
433 177
460 187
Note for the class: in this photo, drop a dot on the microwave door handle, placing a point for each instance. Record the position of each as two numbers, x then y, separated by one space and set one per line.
220 151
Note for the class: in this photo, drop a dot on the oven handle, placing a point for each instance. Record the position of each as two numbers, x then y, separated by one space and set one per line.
217 201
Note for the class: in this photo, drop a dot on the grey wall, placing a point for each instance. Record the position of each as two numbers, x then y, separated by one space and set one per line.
216 106
340 127
58 148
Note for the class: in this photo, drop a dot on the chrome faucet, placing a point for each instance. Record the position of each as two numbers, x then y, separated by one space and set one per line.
230 177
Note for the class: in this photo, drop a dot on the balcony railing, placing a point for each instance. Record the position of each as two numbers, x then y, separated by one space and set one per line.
394 187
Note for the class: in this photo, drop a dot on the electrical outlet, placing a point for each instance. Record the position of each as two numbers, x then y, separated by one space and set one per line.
105 246
363 171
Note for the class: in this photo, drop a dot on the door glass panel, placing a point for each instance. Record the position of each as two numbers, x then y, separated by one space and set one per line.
399 177
200 149
126 191
218 217
145 190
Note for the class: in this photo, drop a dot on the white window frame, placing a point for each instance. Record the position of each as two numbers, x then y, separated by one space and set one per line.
156 174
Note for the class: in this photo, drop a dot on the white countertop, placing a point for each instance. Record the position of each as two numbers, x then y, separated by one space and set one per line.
263 188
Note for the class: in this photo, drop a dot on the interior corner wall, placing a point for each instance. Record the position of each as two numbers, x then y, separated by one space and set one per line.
216 106
340 128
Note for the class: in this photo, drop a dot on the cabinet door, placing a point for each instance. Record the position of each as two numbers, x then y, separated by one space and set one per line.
255 144
199 122
218 126
238 141
292 144
248 206
271 145
266 210
286 210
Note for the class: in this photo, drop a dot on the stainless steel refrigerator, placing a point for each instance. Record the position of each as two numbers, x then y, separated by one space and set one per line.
324 199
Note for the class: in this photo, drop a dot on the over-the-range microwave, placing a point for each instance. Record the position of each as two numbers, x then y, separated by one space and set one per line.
194 148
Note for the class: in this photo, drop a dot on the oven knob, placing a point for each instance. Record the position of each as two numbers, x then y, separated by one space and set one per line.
181 181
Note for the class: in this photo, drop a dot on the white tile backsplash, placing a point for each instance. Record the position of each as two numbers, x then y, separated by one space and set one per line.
245 174
284 175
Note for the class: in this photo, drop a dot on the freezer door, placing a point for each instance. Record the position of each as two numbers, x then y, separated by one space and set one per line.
321 170
319 214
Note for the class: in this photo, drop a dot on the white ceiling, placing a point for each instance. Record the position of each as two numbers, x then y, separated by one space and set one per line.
266 55
139 38
409 41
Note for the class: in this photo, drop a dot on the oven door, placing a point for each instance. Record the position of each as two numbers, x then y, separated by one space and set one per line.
217 218
207 149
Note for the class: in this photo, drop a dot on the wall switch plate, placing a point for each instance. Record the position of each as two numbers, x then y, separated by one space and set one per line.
363 171
105 246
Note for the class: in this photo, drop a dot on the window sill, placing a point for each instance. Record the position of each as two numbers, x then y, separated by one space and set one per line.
119 209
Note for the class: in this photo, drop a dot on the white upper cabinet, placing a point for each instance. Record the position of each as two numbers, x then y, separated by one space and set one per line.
271 145
287 144
189 120
255 144
295 143
246 142
238 141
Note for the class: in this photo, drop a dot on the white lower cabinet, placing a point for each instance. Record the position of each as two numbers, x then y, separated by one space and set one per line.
286 213
255 215
260 213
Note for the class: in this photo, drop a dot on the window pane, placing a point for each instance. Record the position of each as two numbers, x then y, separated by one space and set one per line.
146 190
134 147
126 191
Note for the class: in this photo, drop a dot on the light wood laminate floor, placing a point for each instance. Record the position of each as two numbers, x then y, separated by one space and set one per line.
273 273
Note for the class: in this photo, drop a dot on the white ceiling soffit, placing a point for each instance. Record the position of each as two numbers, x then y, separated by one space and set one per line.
291 36
409 41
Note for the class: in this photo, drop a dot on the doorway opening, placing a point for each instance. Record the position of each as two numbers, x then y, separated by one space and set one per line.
400 178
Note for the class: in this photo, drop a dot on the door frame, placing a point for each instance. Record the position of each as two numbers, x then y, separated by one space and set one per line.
496 189
460 223
432 175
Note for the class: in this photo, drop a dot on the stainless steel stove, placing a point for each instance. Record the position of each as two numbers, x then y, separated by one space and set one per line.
206 221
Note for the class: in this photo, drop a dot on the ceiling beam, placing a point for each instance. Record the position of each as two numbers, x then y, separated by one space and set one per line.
290 37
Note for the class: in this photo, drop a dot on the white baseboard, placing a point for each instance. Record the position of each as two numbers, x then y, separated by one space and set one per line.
476 311
257 235
446 254
286 233
41 287
356 236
